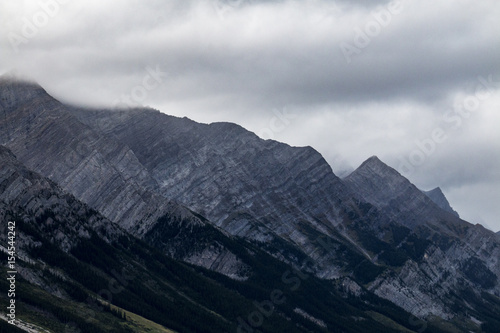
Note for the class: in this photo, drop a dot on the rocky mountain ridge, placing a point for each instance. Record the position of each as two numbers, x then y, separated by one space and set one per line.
373 226
103 173
216 162
260 190
72 262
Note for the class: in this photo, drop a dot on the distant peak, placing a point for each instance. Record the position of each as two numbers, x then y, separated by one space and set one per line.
436 190
375 163
438 197
373 159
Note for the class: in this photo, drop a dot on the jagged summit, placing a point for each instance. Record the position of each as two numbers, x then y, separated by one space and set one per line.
438 197
377 182
387 189
384 181
372 159
375 166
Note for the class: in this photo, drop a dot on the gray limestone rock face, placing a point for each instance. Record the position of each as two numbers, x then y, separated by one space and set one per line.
36 199
264 191
98 170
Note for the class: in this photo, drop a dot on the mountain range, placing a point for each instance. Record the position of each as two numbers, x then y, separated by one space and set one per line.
221 231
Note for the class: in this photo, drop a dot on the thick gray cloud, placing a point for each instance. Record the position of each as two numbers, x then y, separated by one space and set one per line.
350 78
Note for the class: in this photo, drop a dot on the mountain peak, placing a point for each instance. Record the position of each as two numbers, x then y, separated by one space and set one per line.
376 181
373 159
438 197
436 192
374 166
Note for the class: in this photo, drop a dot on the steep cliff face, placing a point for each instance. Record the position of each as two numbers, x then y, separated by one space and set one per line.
48 139
261 190
100 171
438 197
221 167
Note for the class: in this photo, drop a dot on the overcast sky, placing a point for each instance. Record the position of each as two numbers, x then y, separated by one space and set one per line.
416 83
